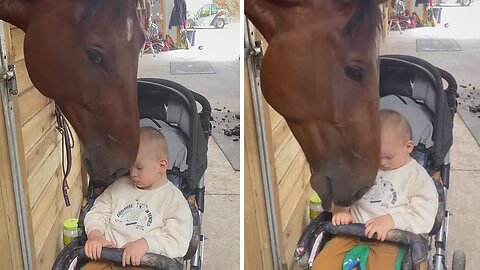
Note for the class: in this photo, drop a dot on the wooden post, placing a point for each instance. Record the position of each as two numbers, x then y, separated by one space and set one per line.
386 9
425 15
163 16
179 37
409 8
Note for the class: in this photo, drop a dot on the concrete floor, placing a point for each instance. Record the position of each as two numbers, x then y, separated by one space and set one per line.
221 49
463 22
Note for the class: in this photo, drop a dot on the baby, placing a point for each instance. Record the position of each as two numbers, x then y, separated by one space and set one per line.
141 213
403 197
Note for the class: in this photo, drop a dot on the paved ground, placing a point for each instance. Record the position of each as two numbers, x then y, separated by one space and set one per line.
463 25
221 48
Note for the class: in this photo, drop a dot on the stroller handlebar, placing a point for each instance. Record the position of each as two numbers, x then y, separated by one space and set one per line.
157 262
203 102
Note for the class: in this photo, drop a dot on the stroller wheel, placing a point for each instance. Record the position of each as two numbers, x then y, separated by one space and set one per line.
458 261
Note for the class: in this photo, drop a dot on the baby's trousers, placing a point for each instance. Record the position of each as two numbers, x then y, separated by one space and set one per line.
382 254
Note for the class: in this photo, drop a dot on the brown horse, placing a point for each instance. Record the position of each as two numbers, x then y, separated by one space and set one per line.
84 55
320 72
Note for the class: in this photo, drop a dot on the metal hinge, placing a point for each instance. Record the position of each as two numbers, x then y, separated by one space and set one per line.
10 80
253 48
257 53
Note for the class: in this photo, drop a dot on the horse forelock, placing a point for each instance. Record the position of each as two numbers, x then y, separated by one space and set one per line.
93 7
367 18
115 10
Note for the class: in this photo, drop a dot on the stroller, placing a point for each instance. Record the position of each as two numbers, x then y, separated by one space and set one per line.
171 108
415 89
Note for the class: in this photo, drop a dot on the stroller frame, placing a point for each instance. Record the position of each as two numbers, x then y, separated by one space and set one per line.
198 123
444 111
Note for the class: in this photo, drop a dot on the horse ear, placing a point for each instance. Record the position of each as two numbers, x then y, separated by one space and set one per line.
17 12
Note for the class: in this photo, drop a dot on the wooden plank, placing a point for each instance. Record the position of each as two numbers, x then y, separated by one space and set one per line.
290 204
34 129
49 208
32 101
23 79
281 135
18 37
42 150
48 250
53 186
39 180
283 157
276 118
255 256
258 251
7 256
45 202
52 164
292 176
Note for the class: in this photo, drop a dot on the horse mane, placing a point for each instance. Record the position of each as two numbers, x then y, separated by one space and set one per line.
367 16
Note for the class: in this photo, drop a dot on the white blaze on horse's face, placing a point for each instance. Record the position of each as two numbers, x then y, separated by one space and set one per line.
129 28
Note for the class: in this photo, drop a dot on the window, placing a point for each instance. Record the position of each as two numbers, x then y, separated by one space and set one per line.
205 11
214 9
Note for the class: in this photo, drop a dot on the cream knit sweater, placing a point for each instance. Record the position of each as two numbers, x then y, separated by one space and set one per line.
124 213
407 194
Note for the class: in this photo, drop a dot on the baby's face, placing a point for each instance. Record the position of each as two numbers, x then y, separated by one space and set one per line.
394 152
147 169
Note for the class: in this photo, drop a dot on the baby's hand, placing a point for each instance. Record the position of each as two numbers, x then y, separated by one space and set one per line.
380 225
134 251
94 244
343 218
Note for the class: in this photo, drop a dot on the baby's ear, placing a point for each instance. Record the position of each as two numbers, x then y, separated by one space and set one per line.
163 163
410 145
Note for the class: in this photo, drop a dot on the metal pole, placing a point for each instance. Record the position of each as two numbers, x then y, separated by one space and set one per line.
20 205
262 146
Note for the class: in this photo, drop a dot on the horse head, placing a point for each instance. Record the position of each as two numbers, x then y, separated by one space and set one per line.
320 72
84 55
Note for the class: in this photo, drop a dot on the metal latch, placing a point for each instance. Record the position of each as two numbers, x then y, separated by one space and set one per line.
10 80
257 54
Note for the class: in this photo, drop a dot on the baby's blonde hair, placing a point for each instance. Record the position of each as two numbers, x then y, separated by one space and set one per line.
392 121
156 139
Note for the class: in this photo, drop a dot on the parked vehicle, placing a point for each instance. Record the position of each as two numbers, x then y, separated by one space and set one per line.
209 15
461 2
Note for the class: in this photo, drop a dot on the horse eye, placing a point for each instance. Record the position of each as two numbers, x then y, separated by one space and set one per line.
95 57
354 73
